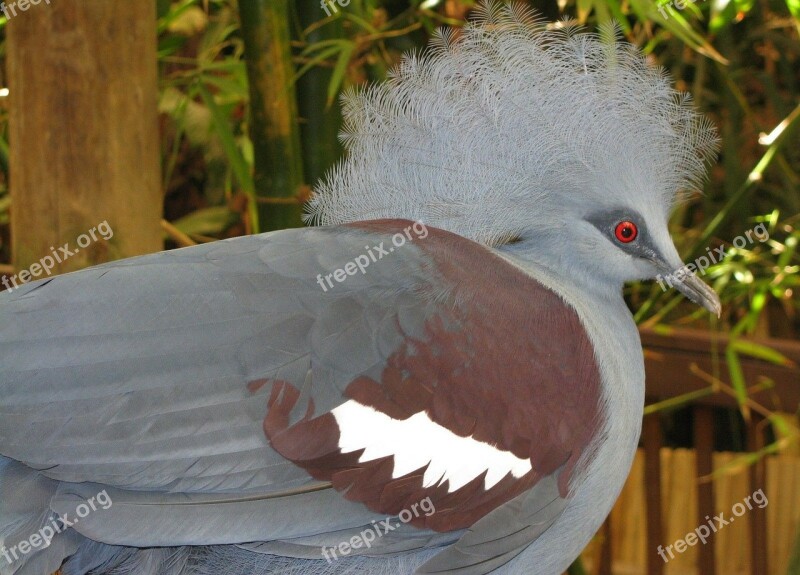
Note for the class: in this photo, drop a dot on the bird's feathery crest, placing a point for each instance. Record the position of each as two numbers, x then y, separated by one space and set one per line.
486 130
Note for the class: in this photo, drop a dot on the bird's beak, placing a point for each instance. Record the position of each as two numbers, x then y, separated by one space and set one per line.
691 286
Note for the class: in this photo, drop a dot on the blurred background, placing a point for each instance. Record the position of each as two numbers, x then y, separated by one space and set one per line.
132 126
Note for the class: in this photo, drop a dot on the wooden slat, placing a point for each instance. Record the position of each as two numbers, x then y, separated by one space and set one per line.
83 131
669 356
704 446
606 549
631 550
652 474
758 480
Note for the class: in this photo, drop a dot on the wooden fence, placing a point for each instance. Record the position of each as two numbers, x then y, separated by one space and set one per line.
664 500
630 552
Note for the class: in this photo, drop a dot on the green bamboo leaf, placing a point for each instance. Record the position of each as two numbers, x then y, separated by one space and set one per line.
169 45
665 14
761 352
750 321
663 329
737 376
678 25
339 72
794 8
434 19
177 108
240 168
781 424
233 90
679 401
789 249
742 462
236 68
207 221
361 23
321 44
321 57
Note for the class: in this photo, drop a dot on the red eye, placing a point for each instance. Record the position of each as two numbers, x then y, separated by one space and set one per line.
626 232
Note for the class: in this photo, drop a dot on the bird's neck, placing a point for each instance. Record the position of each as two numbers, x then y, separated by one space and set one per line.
572 282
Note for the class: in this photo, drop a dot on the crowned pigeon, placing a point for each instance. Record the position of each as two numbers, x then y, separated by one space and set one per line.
441 377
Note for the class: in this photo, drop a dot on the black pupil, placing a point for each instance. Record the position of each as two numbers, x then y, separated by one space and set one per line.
626 231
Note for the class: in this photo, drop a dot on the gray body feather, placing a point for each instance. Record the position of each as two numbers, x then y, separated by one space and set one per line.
139 393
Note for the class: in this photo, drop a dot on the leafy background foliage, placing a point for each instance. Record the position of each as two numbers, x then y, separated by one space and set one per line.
739 58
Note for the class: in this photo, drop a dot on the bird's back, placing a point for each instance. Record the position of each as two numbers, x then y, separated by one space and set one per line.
207 390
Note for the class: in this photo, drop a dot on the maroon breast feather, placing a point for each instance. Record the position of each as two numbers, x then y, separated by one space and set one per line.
508 363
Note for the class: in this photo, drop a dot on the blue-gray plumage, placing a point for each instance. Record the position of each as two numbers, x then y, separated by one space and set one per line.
258 404
143 393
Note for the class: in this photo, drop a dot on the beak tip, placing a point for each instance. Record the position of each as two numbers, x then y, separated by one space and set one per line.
696 290
710 300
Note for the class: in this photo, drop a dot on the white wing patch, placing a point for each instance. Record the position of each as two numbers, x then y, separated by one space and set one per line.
418 441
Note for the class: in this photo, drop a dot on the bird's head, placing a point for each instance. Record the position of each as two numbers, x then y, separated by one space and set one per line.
565 148
626 244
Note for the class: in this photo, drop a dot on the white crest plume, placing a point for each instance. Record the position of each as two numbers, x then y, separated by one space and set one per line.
483 135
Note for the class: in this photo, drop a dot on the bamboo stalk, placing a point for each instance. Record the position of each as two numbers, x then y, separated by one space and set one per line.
321 122
274 130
